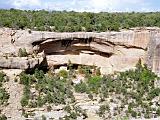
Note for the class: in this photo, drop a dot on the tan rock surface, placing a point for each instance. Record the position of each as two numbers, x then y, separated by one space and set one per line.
19 62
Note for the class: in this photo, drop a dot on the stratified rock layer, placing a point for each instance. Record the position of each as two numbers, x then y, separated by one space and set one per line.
112 51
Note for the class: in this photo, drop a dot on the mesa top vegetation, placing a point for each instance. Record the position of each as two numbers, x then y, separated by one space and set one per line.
63 21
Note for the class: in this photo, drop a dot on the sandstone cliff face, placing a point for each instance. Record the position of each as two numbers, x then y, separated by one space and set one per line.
112 51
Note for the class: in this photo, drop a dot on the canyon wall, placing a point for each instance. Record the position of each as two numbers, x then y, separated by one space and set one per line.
111 51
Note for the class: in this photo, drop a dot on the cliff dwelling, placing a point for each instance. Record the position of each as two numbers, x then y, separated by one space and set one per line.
111 51
82 51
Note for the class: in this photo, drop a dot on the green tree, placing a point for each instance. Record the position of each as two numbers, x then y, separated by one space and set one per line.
22 52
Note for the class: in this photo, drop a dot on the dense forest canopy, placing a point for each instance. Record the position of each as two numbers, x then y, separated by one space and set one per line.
63 21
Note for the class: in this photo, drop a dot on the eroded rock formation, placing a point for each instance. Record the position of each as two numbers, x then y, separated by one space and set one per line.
112 51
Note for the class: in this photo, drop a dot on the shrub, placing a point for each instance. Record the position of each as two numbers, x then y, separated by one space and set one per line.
26 96
70 65
158 111
73 115
80 70
22 52
84 70
84 115
69 92
81 87
102 110
24 79
24 101
133 114
4 96
67 108
87 71
98 72
63 73
155 92
3 117
44 117
2 77
90 96
40 101
94 83
39 74
32 104
146 115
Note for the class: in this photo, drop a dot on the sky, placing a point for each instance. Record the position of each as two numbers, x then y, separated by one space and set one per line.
84 5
